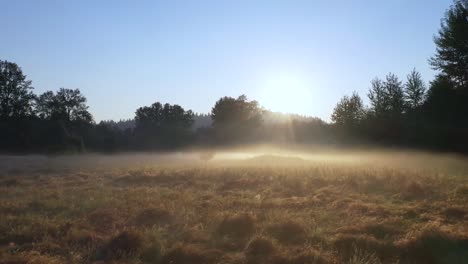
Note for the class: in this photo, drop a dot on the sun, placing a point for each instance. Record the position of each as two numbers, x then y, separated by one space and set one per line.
286 92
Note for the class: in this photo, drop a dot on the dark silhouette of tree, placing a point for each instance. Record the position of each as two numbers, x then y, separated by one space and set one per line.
387 106
349 111
236 119
66 123
202 121
66 105
15 92
451 56
394 95
122 124
232 110
386 97
415 90
163 126
377 97
442 101
72 105
446 105
46 105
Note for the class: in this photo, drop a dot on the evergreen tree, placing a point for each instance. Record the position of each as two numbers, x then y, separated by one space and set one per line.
377 97
394 95
451 56
415 90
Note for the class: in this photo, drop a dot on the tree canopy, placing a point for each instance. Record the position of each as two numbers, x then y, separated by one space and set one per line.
66 105
162 125
236 118
15 92
349 111
451 57
415 90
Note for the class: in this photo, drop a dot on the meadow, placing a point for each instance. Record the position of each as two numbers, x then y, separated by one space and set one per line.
356 207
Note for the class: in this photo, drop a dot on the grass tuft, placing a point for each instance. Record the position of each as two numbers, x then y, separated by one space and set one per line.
289 232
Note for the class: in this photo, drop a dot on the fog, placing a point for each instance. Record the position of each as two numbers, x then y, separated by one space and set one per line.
257 156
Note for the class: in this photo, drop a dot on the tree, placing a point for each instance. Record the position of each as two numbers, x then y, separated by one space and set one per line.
228 110
159 116
349 111
236 118
386 97
163 126
394 95
46 105
66 105
442 103
377 97
451 56
15 92
387 107
415 90
149 116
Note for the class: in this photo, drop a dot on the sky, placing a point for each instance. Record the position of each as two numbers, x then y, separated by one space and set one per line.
291 56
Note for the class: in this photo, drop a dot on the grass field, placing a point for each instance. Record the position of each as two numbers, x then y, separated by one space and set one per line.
353 207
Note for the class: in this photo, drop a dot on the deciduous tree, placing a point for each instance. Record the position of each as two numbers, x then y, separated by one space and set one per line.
16 95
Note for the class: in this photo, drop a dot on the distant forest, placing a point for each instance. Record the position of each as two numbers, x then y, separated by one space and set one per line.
402 112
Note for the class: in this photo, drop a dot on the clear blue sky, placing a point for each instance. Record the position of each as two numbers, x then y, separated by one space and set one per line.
291 56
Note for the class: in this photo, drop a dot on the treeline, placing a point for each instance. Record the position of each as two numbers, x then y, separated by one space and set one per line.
409 113
401 112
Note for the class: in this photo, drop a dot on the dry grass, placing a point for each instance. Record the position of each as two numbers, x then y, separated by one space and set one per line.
300 212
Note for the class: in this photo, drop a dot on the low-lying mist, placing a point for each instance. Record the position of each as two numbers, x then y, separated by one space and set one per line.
262 155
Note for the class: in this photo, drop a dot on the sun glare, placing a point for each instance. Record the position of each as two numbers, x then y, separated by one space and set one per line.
285 92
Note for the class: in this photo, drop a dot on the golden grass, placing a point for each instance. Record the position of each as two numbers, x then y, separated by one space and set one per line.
234 212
